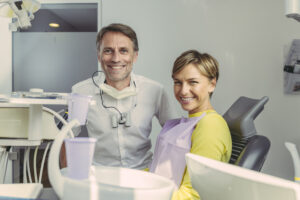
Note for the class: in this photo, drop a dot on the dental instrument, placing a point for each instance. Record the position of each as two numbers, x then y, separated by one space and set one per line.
20 10
15 120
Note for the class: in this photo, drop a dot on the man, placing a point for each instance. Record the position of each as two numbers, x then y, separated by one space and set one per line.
121 118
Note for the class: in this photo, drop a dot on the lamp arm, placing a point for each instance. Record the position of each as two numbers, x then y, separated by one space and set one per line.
4 1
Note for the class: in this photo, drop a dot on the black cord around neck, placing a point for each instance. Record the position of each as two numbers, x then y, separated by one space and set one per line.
101 92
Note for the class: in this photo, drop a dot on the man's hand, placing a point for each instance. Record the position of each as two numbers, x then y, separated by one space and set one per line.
63 157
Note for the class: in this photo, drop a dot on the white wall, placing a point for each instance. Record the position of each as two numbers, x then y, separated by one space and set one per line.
250 39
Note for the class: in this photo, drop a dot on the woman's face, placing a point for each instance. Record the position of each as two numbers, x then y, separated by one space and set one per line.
192 89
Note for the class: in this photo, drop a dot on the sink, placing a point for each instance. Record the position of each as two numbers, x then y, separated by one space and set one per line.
118 183
108 183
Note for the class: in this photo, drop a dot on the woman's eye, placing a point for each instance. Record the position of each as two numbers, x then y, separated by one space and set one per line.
194 82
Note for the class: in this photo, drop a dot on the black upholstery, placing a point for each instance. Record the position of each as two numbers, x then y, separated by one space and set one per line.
65 116
249 150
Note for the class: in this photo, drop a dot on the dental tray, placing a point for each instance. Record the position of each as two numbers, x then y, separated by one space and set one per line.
37 95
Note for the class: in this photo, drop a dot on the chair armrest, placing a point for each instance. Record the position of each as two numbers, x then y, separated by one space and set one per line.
255 153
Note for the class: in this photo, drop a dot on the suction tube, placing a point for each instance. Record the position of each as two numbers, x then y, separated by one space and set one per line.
295 156
54 174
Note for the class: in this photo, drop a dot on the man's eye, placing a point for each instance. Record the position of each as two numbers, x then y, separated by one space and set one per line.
177 82
107 51
123 51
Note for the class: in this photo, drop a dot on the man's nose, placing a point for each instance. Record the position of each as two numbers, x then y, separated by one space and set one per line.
116 57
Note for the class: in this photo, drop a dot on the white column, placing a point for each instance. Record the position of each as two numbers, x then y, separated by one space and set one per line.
5 56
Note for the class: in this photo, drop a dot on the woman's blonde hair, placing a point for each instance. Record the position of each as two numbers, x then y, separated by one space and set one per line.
207 65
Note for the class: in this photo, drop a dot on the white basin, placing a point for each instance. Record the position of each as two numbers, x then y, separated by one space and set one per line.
105 183
119 183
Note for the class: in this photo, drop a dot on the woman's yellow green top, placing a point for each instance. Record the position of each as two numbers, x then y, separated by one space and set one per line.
211 138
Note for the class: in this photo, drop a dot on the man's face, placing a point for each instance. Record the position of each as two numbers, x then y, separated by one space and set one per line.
116 56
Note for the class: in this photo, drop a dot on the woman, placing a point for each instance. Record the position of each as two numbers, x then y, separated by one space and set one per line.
195 76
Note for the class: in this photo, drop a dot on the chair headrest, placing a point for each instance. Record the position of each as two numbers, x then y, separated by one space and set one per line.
240 116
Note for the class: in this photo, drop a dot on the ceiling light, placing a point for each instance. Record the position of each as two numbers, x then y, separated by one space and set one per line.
54 25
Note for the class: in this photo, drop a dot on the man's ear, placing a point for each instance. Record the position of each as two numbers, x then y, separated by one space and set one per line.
98 56
136 53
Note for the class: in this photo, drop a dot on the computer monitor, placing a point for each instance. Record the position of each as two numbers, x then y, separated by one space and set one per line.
215 180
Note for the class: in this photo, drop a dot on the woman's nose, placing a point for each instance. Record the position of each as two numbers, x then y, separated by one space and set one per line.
184 89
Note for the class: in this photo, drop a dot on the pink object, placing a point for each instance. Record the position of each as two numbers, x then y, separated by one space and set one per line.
80 152
173 142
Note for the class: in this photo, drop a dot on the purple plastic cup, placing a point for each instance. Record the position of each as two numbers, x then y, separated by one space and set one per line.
80 152
78 105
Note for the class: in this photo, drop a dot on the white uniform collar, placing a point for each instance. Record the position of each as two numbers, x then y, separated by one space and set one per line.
101 79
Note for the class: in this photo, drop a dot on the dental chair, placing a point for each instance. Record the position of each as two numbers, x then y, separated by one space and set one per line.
215 180
249 150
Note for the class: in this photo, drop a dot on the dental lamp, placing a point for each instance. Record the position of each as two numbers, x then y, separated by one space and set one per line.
292 9
21 10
